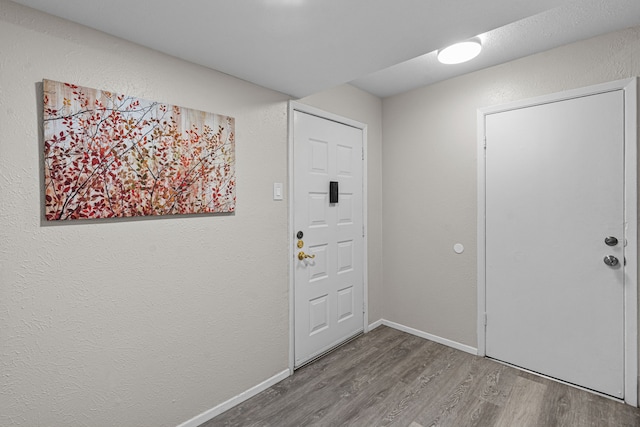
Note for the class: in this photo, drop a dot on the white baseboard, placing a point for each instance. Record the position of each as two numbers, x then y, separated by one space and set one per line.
375 324
236 400
425 335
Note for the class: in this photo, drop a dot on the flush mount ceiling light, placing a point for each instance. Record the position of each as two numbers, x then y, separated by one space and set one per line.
460 52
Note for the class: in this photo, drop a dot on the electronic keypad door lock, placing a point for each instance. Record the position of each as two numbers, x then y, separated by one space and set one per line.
333 192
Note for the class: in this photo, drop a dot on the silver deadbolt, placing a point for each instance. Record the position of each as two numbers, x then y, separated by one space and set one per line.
610 241
611 261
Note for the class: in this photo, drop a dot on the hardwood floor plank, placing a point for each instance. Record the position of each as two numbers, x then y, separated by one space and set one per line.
367 408
390 378
417 362
462 404
497 383
603 411
370 381
425 390
523 408
562 405
478 413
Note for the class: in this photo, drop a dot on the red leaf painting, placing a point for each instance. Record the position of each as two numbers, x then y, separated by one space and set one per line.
109 155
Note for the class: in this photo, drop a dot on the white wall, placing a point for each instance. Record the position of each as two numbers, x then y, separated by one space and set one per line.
144 321
430 184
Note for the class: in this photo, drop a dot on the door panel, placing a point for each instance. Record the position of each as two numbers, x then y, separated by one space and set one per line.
554 192
329 286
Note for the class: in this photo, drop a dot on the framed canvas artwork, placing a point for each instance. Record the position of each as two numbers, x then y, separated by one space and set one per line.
108 155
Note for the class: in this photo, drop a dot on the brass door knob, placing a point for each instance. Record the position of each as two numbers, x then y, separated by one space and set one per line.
302 255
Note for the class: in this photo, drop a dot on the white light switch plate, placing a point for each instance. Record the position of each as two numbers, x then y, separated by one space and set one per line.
278 190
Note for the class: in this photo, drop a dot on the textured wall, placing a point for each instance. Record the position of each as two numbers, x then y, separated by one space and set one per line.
430 184
144 321
136 322
353 103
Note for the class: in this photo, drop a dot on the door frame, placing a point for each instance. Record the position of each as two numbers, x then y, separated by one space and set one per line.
297 106
629 86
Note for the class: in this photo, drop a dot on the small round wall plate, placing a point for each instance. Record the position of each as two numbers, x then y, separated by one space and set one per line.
458 248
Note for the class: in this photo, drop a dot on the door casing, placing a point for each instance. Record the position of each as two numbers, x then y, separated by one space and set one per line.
629 86
297 106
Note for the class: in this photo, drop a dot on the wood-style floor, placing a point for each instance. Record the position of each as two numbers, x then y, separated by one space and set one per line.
390 378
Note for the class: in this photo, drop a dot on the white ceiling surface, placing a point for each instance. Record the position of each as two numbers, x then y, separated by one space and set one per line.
577 20
300 47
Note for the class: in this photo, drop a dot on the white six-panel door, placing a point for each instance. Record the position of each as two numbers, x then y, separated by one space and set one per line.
554 193
328 282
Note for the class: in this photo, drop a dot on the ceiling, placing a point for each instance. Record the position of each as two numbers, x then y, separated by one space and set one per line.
385 47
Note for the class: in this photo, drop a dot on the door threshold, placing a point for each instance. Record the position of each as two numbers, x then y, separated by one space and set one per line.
330 350
538 374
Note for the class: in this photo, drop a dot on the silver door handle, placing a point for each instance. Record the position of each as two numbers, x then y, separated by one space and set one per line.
611 261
